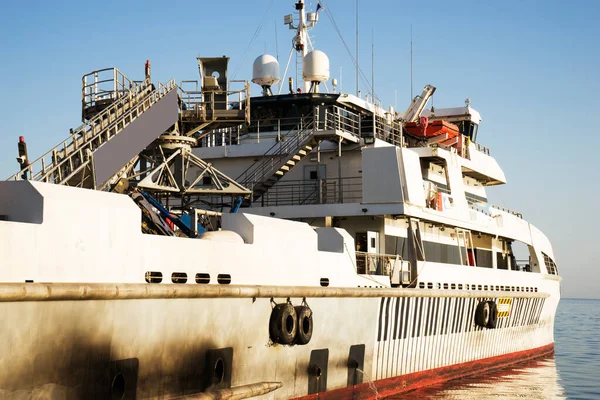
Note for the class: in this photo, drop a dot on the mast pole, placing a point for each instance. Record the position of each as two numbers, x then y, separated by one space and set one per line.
373 66
411 65
357 90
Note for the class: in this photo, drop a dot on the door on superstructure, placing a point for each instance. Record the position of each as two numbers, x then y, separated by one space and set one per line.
310 185
367 247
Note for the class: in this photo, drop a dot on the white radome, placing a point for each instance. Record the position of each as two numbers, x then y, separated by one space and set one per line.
265 70
315 66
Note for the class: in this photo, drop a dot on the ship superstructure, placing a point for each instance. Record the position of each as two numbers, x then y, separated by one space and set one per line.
297 244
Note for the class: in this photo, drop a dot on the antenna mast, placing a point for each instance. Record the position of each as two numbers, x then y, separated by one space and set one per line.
411 66
373 66
357 90
301 39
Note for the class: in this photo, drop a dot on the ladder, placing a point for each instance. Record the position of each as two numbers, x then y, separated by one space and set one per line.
279 159
70 162
464 239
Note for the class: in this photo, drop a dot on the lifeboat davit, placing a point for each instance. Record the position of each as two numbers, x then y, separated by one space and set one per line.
432 129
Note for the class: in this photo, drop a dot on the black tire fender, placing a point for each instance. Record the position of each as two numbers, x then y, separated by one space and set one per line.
305 324
482 314
283 324
493 320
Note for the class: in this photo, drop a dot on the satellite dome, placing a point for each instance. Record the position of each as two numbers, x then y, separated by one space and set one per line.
315 67
265 70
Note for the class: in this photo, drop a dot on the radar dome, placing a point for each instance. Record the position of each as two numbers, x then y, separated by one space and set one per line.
315 67
265 70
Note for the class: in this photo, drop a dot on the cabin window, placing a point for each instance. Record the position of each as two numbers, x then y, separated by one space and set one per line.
550 265
501 261
224 279
202 278
441 253
484 258
179 277
153 277
468 128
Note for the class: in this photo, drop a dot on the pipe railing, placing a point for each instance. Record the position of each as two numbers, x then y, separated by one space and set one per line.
60 291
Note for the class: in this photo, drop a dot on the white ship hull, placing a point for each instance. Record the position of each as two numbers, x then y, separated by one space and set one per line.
80 320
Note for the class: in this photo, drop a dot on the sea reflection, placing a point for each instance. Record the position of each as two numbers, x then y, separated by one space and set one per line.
532 380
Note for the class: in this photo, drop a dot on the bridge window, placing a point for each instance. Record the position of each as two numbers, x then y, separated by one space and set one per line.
550 265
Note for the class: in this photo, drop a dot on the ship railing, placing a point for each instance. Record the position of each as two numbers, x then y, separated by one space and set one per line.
277 154
337 118
523 265
390 265
104 86
209 105
506 210
482 149
72 154
389 131
322 191
254 132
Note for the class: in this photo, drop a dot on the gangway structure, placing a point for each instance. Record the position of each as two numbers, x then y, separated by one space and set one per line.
118 125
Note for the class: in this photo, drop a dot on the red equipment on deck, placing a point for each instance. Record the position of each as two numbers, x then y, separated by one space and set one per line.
432 129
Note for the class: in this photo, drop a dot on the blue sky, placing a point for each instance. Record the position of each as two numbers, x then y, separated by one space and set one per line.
530 68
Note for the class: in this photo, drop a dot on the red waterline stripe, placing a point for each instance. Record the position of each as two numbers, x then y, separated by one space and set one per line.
416 380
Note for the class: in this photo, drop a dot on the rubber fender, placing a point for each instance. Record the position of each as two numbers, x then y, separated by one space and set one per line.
482 314
493 319
283 324
305 324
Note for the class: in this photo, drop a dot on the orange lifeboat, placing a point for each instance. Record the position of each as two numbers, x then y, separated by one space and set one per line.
432 129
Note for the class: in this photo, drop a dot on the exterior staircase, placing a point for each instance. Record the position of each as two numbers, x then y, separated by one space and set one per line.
279 159
71 161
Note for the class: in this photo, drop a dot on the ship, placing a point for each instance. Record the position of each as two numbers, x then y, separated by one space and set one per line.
189 240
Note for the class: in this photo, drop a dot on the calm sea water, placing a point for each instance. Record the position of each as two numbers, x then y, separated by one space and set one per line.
573 373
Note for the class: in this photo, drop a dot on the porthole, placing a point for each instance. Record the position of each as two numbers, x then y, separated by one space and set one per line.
325 282
202 278
421 285
153 277
430 285
179 277
117 388
460 286
445 286
219 372
224 279
453 286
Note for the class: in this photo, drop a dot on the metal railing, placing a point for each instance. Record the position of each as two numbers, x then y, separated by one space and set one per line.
482 149
104 86
70 156
506 210
210 105
278 154
322 191
376 264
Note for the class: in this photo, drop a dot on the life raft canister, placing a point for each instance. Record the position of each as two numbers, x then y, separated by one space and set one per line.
283 324
305 324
